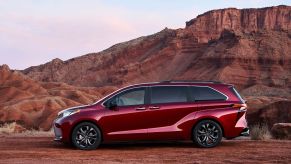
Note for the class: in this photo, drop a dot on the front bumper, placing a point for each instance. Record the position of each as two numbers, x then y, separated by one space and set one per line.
58 133
62 129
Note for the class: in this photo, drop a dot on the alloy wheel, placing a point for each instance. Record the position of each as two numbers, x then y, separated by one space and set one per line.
207 134
86 136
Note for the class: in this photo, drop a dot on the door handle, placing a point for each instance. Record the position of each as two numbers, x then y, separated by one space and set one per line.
154 107
141 108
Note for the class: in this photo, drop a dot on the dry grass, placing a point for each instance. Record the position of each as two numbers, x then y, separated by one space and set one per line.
35 133
260 132
9 129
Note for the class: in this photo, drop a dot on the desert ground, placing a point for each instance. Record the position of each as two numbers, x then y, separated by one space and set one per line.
15 149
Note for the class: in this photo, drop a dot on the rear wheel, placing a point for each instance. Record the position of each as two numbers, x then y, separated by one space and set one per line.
207 134
86 136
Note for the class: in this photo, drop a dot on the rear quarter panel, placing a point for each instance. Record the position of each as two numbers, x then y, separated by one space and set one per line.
220 112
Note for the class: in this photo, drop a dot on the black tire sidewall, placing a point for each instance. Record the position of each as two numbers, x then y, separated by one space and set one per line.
96 144
195 129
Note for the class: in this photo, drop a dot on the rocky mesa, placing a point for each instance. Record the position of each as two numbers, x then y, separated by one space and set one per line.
250 48
244 47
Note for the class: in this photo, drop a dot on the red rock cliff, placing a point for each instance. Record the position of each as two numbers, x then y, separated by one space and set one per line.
245 47
210 24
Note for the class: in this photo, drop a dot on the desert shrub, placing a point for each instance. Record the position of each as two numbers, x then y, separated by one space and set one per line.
14 129
260 132
37 133
7 128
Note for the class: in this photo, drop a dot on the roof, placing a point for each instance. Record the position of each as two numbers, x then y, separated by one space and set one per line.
206 83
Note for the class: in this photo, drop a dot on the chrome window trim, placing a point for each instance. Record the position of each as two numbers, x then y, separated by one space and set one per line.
185 85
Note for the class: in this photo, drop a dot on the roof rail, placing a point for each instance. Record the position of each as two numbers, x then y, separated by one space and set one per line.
191 81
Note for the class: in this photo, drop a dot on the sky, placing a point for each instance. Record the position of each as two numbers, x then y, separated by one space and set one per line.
33 32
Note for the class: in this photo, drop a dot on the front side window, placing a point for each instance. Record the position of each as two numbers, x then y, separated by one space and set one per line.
131 97
206 94
168 94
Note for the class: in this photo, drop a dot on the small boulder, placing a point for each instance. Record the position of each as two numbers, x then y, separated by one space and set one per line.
281 131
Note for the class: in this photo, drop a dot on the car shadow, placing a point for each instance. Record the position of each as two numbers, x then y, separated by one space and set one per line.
146 144
141 145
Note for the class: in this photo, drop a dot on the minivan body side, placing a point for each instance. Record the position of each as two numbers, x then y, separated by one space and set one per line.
157 118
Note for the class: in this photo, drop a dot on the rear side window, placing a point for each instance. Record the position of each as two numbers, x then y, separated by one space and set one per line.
168 94
205 94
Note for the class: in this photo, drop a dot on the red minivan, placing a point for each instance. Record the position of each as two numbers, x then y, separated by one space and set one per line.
202 111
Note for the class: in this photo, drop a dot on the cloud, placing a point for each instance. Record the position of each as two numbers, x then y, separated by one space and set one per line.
43 37
35 32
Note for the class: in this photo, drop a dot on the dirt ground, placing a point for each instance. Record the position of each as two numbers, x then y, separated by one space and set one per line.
44 150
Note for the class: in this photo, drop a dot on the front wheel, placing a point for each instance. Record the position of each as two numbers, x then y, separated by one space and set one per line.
86 136
207 134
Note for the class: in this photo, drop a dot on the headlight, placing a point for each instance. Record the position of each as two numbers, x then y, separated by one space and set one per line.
68 113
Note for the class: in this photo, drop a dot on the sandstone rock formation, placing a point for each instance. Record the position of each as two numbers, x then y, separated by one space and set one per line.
244 47
35 104
282 130
278 111
210 24
249 48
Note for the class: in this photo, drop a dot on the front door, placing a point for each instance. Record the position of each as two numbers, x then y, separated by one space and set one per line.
127 121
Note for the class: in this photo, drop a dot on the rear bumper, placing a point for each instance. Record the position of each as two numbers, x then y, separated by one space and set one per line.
239 128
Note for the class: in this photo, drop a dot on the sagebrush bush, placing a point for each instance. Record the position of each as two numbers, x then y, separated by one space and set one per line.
7 128
260 132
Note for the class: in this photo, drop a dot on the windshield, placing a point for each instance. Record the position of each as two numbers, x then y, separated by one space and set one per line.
108 95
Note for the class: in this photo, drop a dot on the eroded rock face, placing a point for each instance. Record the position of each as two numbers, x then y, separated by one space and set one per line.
249 48
210 24
244 47
35 105
282 130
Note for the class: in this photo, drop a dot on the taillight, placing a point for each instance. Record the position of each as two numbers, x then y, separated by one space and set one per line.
242 107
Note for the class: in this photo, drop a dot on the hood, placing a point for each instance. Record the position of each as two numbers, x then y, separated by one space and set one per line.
75 107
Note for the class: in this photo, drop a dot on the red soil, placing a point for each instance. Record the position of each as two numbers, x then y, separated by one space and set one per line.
44 150
249 48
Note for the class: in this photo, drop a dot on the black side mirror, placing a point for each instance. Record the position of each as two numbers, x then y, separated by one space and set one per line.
112 104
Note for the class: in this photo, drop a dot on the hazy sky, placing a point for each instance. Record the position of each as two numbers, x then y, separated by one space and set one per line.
33 32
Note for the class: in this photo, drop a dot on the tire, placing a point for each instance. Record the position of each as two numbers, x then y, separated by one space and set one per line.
207 134
86 136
